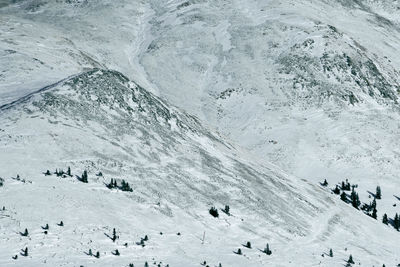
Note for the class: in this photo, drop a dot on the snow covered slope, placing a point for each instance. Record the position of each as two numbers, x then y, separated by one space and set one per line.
100 121
310 86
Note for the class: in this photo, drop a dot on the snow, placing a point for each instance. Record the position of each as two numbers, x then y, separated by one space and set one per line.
286 94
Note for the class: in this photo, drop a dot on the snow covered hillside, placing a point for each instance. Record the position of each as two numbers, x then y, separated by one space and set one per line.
99 121
246 103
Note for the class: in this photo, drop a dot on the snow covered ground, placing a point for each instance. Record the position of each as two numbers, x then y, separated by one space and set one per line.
286 94
101 122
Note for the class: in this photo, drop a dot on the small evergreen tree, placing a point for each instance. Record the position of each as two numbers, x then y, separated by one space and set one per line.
239 252
336 190
330 253
343 196
267 250
116 252
47 173
61 223
25 252
131 265
69 171
396 222
111 184
350 260
355 200
114 235
226 209
84 178
90 252
25 233
97 254
214 212
248 244
146 264
325 183
385 219
374 214
15 257
378 194
46 227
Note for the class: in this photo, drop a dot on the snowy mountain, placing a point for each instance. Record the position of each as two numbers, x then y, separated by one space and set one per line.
100 121
268 98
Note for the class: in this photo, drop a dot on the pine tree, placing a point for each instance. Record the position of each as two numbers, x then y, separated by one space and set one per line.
226 210
350 260
336 190
97 254
355 200
116 253
385 219
214 212
46 227
69 171
325 183
47 173
84 178
346 185
90 252
378 194
15 257
330 253
111 184
114 236
146 264
239 252
61 223
267 250
396 222
343 196
25 252
248 244
374 213
25 233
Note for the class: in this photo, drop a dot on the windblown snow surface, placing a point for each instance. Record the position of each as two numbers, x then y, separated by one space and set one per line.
198 104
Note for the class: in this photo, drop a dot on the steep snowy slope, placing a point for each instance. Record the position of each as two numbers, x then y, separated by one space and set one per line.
312 86
42 41
100 121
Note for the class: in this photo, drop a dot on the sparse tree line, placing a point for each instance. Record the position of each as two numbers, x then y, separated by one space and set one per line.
113 184
369 209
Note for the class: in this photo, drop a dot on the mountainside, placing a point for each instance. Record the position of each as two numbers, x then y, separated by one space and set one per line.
250 104
100 121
